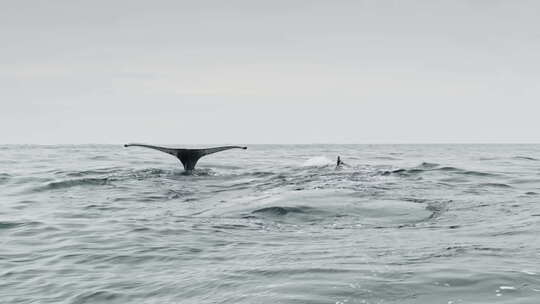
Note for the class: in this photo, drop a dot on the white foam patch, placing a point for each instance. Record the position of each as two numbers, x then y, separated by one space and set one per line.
319 161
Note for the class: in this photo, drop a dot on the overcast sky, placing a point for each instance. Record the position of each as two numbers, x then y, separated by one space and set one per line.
243 72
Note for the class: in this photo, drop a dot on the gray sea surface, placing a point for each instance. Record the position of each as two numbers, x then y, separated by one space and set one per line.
271 224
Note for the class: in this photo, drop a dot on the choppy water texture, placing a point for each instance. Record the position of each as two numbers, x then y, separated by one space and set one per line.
272 224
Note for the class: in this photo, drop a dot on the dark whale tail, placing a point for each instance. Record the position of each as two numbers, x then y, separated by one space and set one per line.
188 157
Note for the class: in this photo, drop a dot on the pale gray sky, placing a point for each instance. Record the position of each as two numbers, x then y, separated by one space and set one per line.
269 71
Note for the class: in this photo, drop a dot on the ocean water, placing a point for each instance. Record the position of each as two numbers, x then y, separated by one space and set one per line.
271 224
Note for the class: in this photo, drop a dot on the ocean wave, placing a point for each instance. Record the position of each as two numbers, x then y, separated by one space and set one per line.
432 167
13 224
427 165
74 183
526 158
494 185
261 173
478 173
9 225
107 177
4 177
95 296
279 211
102 207
98 171
525 181
98 157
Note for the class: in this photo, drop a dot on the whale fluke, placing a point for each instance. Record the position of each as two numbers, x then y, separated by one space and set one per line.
188 157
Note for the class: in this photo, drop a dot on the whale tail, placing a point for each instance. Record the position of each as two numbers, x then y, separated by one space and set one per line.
188 157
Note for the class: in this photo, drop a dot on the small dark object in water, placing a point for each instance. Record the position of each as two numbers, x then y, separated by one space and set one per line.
339 163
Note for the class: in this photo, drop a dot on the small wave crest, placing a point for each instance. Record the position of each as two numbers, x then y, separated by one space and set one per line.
427 165
526 158
96 296
83 173
4 177
432 167
9 225
73 183
495 185
278 210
